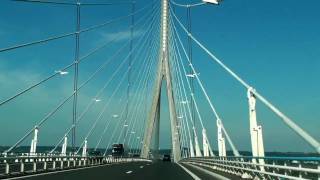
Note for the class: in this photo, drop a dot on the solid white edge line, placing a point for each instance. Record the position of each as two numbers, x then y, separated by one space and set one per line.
215 175
195 177
58 171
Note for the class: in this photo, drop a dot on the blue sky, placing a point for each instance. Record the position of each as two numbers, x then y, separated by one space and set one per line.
273 46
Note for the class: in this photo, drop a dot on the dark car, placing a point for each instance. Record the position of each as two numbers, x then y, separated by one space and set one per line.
166 157
117 150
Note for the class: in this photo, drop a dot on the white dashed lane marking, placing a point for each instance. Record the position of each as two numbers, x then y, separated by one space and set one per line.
141 167
129 172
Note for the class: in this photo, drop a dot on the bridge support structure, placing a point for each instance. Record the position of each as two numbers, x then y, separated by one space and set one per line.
84 149
157 131
206 151
191 149
34 141
64 146
221 140
163 73
255 129
196 144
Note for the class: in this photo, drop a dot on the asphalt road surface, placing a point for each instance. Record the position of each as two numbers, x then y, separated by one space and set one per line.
131 171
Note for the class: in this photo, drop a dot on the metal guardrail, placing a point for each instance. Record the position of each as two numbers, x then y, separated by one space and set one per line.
262 168
22 165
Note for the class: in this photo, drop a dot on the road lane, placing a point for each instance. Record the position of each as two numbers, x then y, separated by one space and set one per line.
132 171
205 173
115 171
161 171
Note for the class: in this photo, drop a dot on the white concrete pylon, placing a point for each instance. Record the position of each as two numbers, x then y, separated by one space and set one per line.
84 149
221 140
205 143
255 129
198 151
34 141
163 74
191 149
209 146
64 146
31 147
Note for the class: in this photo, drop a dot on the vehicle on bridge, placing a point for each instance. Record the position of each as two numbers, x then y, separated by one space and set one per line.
166 158
118 150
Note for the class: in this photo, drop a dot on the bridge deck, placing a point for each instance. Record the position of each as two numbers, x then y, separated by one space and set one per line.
137 170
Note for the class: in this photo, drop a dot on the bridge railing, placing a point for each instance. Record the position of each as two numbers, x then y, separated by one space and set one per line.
22 165
262 168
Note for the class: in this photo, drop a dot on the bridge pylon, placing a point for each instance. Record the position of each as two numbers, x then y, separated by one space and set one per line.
255 130
163 73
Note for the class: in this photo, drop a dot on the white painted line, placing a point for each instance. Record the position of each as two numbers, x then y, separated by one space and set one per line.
195 177
215 175
59 171
141 167
129 172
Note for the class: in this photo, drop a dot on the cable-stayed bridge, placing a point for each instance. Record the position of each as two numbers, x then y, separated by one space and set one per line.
153 63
